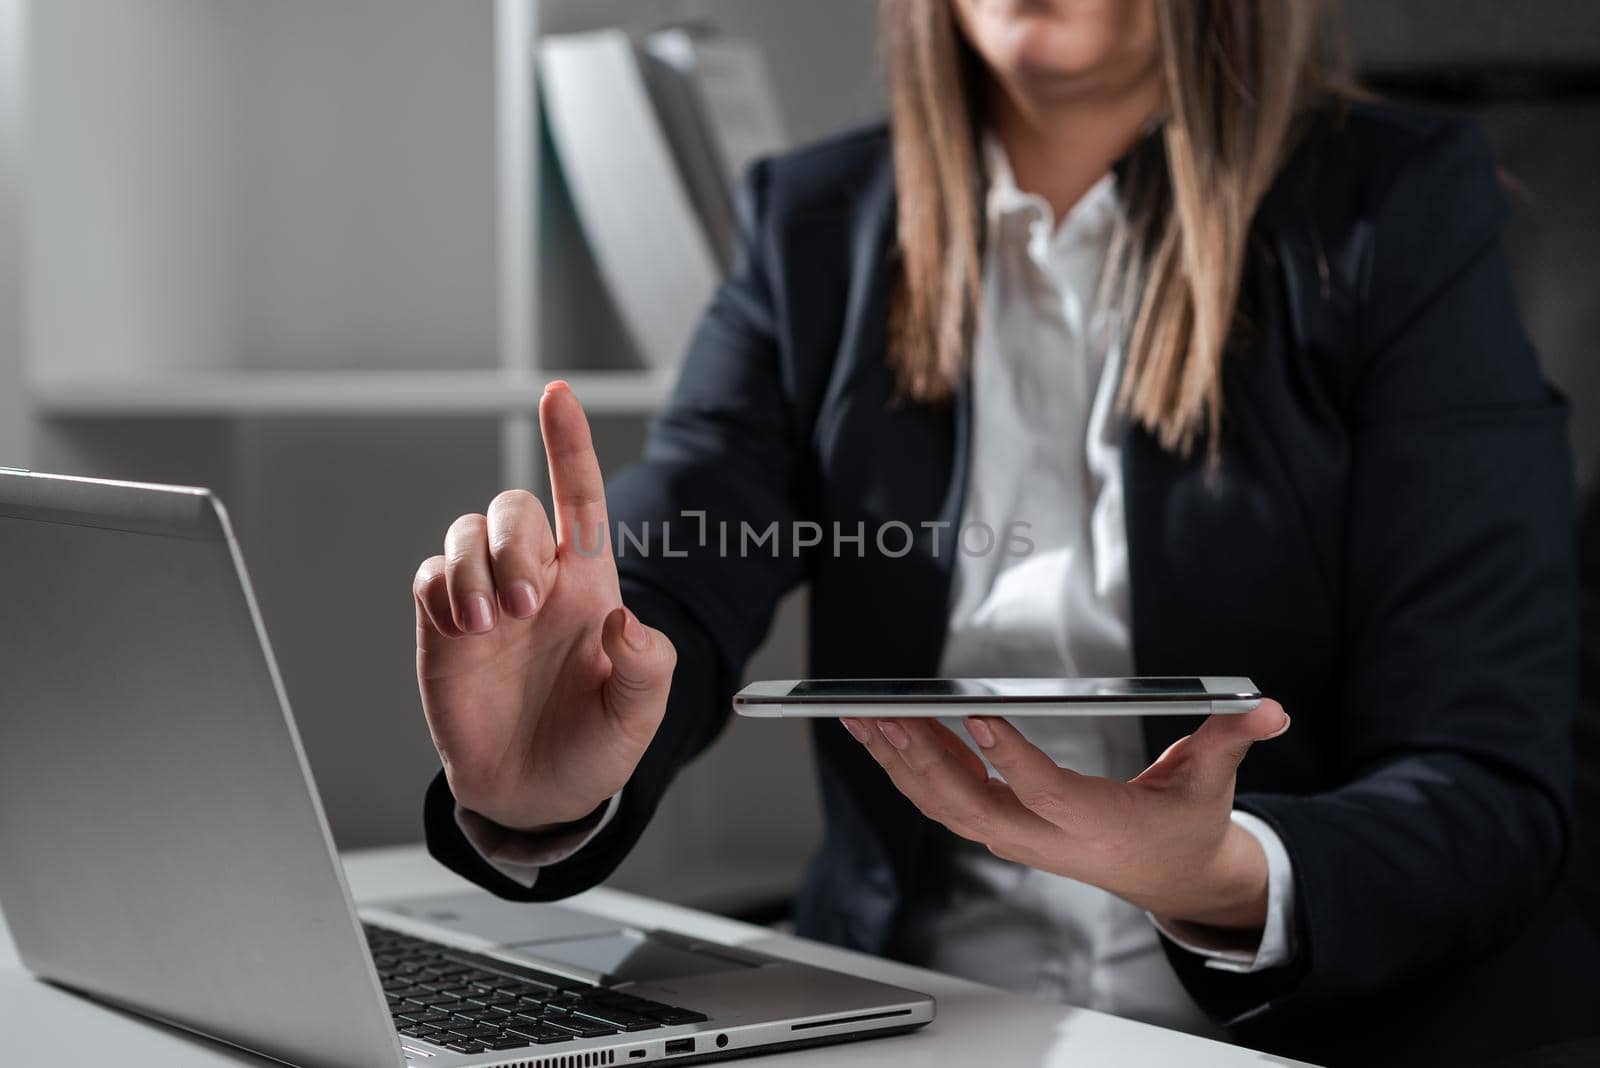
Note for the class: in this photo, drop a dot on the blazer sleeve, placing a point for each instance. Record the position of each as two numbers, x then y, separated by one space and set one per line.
1460 628
722 463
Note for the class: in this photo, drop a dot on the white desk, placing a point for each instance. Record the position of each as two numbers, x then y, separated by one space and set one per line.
975 1025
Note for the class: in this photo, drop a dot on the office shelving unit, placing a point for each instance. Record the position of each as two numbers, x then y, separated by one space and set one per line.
246 198
208 178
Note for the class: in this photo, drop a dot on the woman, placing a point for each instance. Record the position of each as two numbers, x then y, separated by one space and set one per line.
1239 355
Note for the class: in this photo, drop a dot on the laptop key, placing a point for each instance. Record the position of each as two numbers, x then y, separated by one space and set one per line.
472 1028
542 1033
517 992
508 1042
438 986
565 997
628 1021
464 1045
584 1028
428 1017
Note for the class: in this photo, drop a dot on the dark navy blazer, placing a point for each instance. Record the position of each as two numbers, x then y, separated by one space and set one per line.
1386 545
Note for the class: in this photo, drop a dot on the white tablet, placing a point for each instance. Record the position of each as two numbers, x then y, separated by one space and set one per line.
895 698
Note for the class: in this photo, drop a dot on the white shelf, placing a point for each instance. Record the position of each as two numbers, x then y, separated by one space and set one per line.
244 393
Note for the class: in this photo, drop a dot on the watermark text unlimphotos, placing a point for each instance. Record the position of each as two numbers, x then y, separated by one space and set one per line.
694 532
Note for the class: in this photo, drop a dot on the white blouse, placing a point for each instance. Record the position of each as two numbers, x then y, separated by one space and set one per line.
1045 452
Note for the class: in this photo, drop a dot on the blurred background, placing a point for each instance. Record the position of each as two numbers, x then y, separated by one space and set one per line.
321 255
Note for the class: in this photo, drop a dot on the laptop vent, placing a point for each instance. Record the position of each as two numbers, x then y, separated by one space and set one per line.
593 1059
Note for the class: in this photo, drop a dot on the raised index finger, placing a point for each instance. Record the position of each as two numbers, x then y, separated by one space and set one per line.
576 488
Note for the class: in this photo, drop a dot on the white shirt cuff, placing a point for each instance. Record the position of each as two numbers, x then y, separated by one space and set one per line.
520 855
1277 945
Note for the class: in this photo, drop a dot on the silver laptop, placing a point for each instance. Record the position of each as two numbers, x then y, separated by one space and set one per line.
162 846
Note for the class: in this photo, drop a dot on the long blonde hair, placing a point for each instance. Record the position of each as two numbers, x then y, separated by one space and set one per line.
1236 75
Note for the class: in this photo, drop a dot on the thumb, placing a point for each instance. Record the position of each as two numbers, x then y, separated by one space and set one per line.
642 660
1208 759
1222 741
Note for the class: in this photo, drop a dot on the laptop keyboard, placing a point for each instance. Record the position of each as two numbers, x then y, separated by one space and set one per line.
470 1003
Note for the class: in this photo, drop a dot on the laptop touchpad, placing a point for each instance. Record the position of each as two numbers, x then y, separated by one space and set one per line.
629 956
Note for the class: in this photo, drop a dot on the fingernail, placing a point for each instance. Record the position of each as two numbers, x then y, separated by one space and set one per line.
633 631
555 384
857 729
1281 729
521 600
981 733
895 733
480 617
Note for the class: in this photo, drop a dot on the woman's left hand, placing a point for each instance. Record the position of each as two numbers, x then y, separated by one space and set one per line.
1162 841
